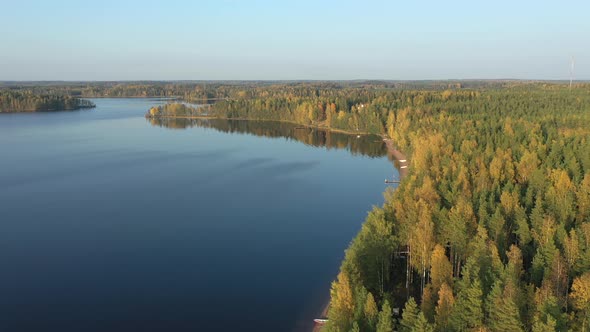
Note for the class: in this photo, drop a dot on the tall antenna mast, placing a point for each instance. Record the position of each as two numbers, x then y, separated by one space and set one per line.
572 67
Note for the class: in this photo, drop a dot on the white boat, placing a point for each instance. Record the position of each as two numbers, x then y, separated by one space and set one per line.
320 320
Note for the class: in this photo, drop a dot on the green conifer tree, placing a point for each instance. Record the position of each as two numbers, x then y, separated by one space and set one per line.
371 311
385 323
409 316
503 314
422 325
467 313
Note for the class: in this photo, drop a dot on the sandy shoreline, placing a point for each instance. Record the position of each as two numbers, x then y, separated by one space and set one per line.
399 156
403 172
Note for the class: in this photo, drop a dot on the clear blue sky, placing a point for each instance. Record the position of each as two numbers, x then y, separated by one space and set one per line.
300 39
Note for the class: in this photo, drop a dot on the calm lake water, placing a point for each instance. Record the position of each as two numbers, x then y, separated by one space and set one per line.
110 222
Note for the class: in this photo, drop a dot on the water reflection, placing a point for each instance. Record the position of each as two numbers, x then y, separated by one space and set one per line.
367 145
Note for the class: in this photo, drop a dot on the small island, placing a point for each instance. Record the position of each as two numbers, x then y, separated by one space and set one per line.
18 102
174 110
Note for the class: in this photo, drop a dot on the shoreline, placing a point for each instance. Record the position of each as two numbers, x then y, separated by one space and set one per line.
399 156
403 172
46 110
134 97
391 150
211 117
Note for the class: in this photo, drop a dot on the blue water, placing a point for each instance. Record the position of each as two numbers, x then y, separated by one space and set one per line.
111 223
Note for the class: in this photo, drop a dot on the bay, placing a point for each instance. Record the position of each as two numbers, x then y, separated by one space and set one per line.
111 222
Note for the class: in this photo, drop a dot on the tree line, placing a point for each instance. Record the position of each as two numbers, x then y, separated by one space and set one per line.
15 101
367 145
200 91
175 110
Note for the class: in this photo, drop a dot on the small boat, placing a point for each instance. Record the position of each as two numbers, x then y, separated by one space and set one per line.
320 320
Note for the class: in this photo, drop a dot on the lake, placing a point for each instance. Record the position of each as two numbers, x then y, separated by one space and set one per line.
111 222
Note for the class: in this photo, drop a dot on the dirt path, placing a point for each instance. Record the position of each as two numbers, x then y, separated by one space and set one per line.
398 156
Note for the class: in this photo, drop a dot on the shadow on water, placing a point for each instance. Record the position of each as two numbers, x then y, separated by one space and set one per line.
366 145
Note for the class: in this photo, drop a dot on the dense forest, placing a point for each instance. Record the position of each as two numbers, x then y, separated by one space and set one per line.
176 110
14 101
490 231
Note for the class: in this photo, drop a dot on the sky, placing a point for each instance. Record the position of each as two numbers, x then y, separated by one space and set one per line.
293 40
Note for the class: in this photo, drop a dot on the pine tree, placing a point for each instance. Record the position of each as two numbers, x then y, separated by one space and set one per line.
444 307
342 303
441 270
492 300
409 316
355 327
422 325
547 307
391 124
428 303
581 297
467 312
371 311
548 326
503 314
422 242
385 323
360 298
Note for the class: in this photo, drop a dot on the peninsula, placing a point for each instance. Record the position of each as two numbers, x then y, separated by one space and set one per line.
18 101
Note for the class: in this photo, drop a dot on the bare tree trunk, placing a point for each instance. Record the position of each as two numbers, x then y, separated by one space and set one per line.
423 271
382 277
567 292
408 270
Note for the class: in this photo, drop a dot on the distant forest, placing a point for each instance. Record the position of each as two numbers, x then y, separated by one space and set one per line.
174 110
490 230
15 101
198 91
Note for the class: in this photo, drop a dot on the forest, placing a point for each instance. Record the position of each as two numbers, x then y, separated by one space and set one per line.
16 101
490 230
203 91
175 110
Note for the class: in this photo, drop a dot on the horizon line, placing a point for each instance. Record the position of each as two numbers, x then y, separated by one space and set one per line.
300 80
